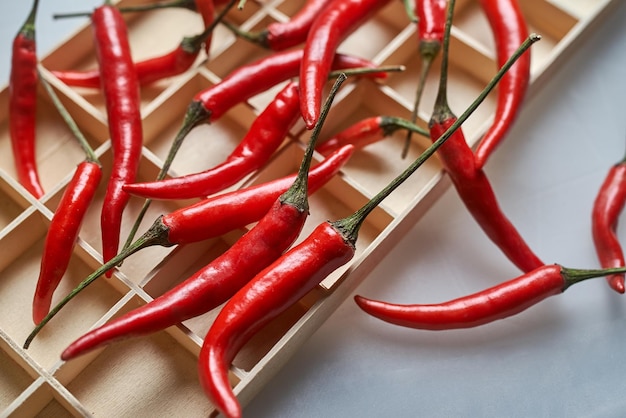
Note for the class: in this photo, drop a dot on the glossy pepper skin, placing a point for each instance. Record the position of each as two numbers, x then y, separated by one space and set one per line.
263 138
509 28
213 217
121 92
333 24
502 301
209 287
23 104
607 208
63 232
474 189
272 291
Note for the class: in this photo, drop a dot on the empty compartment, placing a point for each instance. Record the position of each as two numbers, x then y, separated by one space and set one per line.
142 376
18 278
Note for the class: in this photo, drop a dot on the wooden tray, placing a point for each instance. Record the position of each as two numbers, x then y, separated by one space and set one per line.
163 367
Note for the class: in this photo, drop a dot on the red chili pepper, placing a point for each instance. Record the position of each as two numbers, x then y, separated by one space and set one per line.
211 218
158 68
63 232
498 302
121 92
279 36
431 21
23 104
367 131
219 280
265 135
333 24
510 29
67 219
271 292
607 207
472 184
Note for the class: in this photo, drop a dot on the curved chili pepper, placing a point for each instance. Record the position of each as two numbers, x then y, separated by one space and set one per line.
279 36
471 183
121 93
431 20
67 219
265 135
368 131
23 104
510 29
219 280
333 24
211 218
294 274
607 207
270 293
157 68
63 232
502 301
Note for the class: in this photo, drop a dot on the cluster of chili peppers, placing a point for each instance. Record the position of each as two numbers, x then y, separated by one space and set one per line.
260 276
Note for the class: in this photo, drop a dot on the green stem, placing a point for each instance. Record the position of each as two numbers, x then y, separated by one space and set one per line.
390 124
70 15
156 235
573 276
367 70
258 38
194 43
428 51
28 28
184 4
296 195
410 12
90 154
350 225
442 110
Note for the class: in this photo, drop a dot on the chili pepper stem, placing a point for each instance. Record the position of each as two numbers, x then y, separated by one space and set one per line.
410 13
390 124
572 276
156 235
185 4
350 225
259 38
194 43
297 193
428 57
28 28
89 152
